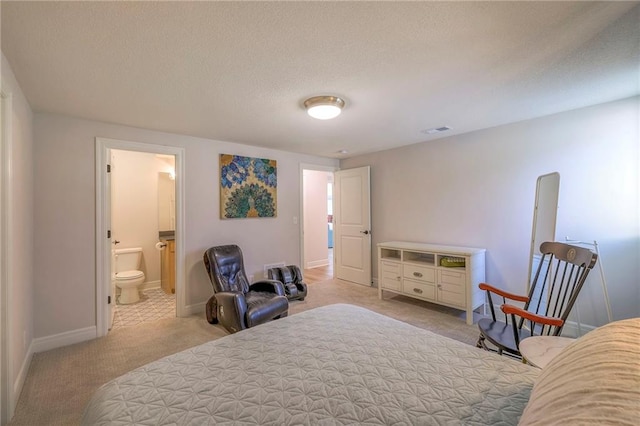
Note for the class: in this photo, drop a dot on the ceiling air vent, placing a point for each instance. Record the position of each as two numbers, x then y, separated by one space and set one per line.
436 130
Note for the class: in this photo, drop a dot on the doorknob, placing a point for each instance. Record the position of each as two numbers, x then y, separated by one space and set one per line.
365 232
116 242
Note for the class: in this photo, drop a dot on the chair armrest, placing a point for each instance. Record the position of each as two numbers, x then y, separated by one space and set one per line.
272 286
539 319
492 289
232 310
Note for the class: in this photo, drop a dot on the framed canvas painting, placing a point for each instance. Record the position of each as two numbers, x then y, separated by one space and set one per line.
248 187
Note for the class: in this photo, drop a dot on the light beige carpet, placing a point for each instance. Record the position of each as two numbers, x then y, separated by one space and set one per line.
60 382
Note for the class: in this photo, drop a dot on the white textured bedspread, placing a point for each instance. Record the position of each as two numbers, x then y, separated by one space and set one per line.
338 364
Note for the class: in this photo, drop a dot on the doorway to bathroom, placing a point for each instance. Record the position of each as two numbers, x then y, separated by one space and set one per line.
143 219
138 208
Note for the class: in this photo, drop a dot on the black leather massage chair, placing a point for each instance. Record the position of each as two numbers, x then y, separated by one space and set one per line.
291 276
236 304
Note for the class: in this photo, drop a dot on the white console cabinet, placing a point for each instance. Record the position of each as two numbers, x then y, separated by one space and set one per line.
445 275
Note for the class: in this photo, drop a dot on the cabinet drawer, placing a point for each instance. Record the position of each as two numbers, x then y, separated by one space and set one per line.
419 273
419 289
452 277
451 297
392 267
391 275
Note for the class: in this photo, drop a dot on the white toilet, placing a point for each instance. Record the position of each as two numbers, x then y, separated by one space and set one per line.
128 274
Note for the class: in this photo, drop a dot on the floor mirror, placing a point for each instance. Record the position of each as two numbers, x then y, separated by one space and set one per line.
544 217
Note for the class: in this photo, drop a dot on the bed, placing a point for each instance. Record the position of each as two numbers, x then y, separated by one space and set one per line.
333 365
338 364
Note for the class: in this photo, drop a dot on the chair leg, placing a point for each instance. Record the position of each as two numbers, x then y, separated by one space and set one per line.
480 343
212 310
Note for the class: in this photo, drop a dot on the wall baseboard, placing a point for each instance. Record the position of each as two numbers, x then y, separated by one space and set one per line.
573 329
317 263
196 308
149 285
46 343
55 341
20 379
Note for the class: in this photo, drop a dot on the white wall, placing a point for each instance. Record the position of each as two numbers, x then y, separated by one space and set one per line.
20 204
478 189
316 239
65 215
134 206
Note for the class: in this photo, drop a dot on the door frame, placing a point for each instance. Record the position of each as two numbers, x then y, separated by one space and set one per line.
103 244
7 390
303 167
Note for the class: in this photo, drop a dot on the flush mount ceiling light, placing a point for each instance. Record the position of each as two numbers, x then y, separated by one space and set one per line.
324 107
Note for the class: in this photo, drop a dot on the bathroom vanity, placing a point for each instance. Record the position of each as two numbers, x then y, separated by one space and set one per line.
167 225
168 264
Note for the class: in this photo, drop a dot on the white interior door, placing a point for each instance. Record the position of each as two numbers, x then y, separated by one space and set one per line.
352 221
105 268
111 297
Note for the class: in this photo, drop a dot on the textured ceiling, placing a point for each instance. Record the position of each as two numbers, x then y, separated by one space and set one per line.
240 71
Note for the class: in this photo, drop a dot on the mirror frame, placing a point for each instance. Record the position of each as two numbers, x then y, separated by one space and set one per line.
545 212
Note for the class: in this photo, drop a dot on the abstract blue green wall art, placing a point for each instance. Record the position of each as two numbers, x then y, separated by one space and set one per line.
248 187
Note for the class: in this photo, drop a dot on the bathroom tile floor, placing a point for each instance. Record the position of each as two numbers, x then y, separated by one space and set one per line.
154 305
